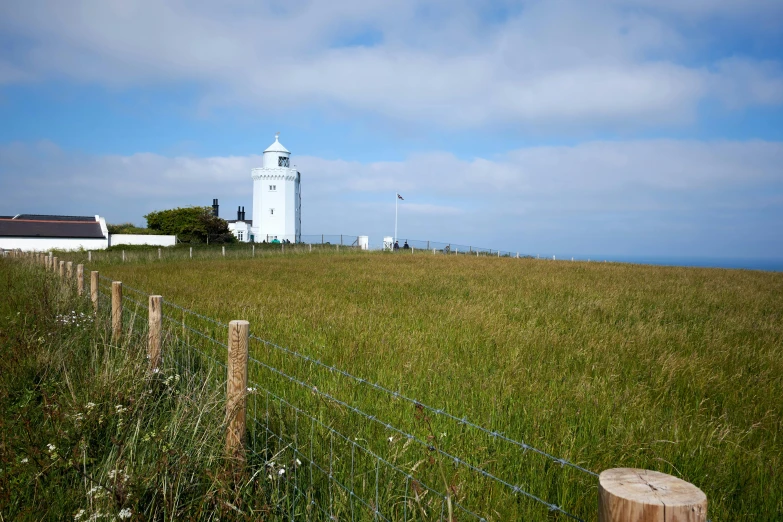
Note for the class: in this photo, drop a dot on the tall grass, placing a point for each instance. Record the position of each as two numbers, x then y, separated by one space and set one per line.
604 365
87 432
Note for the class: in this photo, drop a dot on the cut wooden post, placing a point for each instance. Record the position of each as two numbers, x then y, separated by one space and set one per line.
89 256
54 264
62 269
236 392
159 255
155 329
80 279
639 495
254 251
94 289
224 251
191 252
69 270
116 310
311 247
47 259
123 256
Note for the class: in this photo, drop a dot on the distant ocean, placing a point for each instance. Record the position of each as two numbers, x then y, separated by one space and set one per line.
771 265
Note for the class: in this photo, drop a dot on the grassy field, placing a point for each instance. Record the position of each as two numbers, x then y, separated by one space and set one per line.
605 365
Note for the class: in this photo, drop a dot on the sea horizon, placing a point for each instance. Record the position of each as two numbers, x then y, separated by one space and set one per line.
738 263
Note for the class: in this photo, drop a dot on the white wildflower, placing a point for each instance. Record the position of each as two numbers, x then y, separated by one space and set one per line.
51 447
298 462
281 472
79 514
25 460
124 513
89 405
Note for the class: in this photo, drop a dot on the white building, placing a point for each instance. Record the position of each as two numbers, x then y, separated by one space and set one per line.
277 201
39 233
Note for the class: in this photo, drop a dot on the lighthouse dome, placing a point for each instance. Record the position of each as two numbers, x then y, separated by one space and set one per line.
276 155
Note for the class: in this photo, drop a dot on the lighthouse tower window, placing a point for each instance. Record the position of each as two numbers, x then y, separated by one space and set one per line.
282 162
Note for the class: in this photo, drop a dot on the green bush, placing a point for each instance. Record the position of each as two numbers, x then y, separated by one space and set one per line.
130 228
191 225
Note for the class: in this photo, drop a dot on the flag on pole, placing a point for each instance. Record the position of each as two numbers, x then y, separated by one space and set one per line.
402 198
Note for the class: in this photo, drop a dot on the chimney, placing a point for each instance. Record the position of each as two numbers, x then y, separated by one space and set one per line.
243 213
239 213
215 207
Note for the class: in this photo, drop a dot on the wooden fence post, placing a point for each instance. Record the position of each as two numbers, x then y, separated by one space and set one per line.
224 251
311 247
191 252
639 495
54 264
94 276
236 392
159 254
89 256
80 279
155 330
254 251
116 310
123 256
69 270
62 269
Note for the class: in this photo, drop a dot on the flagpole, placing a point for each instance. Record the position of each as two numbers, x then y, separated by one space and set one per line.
396 197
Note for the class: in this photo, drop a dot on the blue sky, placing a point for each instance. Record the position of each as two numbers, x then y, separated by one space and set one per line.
576 128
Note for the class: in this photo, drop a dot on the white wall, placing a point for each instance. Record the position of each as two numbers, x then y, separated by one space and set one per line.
141 239
240 226
44 244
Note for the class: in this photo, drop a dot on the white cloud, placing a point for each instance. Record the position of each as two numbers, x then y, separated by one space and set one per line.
549 63
604 196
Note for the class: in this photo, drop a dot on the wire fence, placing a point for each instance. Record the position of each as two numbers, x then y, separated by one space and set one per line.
329 447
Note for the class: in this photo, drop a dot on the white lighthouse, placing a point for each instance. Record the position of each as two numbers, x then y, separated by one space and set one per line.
277 201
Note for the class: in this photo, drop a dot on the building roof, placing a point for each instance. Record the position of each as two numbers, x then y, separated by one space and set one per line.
51 226
277 146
